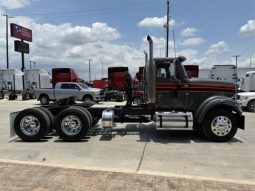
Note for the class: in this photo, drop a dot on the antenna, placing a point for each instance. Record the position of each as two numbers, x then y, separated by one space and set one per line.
167 27
174 44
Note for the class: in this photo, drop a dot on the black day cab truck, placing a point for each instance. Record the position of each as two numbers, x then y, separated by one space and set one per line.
172 101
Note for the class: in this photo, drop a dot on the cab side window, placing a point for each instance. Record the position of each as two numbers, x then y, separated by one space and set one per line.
163 72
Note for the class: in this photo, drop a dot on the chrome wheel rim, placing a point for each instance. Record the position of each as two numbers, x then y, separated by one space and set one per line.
221 126
30 125
44 100
252 106
71 125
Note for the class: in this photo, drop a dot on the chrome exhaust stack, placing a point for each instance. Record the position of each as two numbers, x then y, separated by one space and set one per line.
150 74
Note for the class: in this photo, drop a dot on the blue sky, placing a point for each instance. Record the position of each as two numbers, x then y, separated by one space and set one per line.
111 32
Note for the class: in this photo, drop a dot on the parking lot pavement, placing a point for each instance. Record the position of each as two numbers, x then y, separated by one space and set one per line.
139 149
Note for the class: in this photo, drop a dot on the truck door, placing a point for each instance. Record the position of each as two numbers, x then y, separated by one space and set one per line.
66 90
171 91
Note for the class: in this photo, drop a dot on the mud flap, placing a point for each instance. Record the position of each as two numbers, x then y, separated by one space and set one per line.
12 118
241 121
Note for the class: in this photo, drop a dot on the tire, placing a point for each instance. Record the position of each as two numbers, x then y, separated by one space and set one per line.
119 98
12 96
44 99
137 100
219 125
32 96
87 98
1 95
251 106
51 117
87 112
72 124
25 96
31 124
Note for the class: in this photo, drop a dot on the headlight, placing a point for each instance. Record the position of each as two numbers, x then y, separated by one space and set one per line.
97 93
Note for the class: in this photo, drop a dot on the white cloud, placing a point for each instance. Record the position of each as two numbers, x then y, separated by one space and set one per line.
248 28
217 48
66 45
188 53
155 22
192 41
189 31
14 4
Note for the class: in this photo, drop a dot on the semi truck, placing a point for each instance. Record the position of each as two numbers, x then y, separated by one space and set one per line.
11 84
226 73
63 75
172 102
248 84
36 78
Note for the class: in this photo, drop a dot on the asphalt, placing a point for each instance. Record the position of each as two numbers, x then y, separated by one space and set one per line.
16 176
136 158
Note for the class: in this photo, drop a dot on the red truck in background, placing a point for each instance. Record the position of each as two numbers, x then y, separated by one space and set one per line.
102 83
192 71
63 75
138 87
116 83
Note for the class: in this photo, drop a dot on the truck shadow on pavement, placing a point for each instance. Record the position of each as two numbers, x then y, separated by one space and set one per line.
147 133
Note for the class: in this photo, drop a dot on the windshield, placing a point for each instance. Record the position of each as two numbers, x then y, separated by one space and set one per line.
84 86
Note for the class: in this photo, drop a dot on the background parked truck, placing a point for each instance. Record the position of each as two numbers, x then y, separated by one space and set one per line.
36 78
11 84
63 75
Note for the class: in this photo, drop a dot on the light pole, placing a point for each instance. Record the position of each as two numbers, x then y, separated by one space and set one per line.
89 70
236 56
251 58
32 62
7 45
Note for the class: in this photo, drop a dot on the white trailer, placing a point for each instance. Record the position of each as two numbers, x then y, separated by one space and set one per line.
36 78
224 73
11 83
248 84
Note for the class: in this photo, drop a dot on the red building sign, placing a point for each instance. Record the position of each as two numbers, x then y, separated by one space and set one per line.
20 32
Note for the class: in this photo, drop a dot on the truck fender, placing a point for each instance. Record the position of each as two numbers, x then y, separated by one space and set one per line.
215 102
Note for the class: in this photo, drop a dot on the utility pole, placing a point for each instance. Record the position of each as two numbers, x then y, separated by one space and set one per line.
89 70
251 58
32 62
7 44
167 28
236 56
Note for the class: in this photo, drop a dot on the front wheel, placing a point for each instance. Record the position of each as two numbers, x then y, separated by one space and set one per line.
219 125
251 106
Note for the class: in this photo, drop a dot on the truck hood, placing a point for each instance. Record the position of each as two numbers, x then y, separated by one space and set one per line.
212 85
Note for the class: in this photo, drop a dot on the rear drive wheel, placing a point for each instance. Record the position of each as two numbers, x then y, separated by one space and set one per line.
44 100
72 124
251 106
51 117
220 125
31 124
87 112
